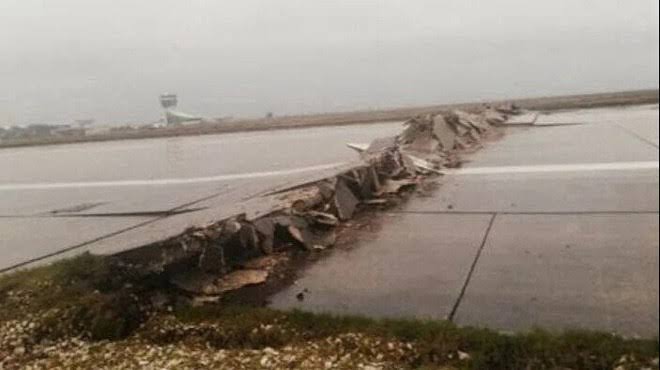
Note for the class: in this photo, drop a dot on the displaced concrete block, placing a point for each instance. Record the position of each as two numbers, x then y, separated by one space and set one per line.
423 144
242 245
472 120
327 189
507 108
322 218
494 117
370 183
212 259
248 237
237 279
443 132
381 144
394 186
266 229
310 239
345 201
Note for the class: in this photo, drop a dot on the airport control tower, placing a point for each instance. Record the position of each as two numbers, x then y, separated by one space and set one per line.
172 117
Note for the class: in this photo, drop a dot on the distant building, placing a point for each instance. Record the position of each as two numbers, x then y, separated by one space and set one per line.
168 101
173 117
68 131
83 122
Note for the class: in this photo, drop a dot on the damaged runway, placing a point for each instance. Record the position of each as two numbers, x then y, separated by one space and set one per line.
553 226
59 201
516 237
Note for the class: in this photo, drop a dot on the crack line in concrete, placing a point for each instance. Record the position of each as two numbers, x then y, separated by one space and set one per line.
106 236
638 137
472 268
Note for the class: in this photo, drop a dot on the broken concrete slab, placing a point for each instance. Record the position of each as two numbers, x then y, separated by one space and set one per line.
300 213
395 186
212 259
238 279
597 272
310 239
443 132
345 201
416 127
378 145
266 263
471 120
197 282
64 233
377 279
494 117
507 108
322 218
423 144
527 118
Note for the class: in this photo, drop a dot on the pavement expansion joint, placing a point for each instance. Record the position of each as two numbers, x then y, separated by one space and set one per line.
452 314
638 137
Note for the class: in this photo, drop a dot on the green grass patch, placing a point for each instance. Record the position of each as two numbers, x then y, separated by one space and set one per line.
89 295
439 341
84 295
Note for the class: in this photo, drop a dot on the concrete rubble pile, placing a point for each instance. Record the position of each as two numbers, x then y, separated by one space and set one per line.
239 251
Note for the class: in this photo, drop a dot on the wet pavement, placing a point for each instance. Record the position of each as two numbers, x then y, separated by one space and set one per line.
104 197
553 226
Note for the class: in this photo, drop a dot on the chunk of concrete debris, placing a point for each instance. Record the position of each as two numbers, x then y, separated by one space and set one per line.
461 127
375 201
370 183
414 128
241 245
394 186
422 165
423 144
296 234
507 108
210 285
443 132
304 198
327 188
265 262
212 259
408 164
231 227
248 236
494 117
322 218
389 164
345 201
358 147
528 118
461 143
381 144
194 281
265 227
237 279
472 120
312 239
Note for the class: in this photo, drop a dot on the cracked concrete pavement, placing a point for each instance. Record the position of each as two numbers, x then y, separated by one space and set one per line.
59 201
553 226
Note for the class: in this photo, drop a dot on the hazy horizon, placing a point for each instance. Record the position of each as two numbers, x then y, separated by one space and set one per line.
109 60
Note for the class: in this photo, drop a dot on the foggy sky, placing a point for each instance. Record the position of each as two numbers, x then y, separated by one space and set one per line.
62 60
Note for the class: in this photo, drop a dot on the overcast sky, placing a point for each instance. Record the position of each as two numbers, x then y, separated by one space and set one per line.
110 59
